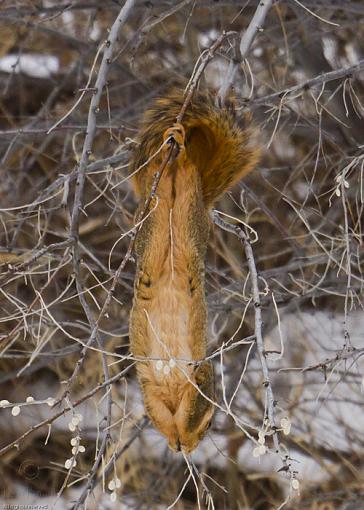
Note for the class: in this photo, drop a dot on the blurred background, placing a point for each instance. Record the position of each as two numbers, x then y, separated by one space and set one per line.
302 82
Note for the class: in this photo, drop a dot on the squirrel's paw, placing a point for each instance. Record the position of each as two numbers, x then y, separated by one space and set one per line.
175 135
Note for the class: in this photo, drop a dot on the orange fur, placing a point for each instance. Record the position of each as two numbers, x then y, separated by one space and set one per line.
169 317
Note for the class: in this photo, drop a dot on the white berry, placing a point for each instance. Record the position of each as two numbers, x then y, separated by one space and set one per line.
15 411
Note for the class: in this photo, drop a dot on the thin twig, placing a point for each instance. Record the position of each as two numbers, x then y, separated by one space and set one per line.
76 403
195 78
258 331
246 41
77 207
346 72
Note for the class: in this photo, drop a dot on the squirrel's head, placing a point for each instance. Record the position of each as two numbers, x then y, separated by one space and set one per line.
181 405
194 412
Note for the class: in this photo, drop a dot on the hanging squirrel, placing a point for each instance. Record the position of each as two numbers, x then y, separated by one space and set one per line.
168 322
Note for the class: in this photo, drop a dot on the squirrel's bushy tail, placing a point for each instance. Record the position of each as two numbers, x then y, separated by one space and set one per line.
219 144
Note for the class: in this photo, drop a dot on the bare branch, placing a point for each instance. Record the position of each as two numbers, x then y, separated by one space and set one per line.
246 41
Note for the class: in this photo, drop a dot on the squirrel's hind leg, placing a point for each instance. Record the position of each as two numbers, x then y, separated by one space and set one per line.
175 135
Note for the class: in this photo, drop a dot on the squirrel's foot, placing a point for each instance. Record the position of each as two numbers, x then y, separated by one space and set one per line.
175 136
